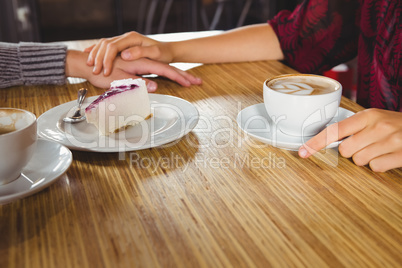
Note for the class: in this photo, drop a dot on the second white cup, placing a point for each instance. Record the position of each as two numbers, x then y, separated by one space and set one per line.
301 104
18 137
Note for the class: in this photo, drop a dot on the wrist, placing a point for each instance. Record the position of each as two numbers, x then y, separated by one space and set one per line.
183 51
170 48
76 64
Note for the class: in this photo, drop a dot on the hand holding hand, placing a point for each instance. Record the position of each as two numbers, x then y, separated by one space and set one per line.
75 66
132 46
373 137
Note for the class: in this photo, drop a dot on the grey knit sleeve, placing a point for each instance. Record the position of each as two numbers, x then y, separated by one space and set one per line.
32 64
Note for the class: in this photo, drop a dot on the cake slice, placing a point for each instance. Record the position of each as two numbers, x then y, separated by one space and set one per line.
125 104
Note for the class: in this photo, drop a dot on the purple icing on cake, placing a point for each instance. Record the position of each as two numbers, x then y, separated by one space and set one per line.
111 92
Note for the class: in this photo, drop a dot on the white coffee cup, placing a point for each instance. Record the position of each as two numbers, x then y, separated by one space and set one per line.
18 138
301 104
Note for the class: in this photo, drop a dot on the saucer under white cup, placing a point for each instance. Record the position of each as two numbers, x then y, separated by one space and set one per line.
49 162
254 121
27 165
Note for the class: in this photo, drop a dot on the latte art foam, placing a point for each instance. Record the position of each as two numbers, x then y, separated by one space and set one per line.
302 85
12 120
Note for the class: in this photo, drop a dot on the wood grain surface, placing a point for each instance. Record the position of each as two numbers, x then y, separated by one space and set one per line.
215 198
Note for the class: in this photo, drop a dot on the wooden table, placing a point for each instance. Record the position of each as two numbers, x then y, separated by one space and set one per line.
222 201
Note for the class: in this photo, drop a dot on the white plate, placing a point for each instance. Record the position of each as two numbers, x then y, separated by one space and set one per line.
255 121
172 119
48 163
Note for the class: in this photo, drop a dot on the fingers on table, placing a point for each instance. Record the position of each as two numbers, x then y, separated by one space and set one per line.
333 133
386 162
162 69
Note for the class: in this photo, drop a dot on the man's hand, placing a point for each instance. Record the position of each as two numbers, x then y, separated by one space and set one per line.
373 137
76 67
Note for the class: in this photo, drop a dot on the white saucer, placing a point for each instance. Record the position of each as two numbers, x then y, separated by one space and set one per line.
255 121
48 163
172 118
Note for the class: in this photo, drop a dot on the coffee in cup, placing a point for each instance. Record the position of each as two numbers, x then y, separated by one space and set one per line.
18 138
302 85
301 104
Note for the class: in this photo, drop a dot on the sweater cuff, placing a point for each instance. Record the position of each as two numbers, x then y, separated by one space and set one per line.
42 63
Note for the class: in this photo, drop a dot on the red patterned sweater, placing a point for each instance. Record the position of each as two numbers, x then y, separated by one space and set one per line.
320 34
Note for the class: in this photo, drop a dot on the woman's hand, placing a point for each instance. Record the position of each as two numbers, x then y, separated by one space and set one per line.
132 45
374 137
76 67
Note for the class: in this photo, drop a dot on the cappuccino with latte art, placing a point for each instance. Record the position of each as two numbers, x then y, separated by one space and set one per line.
303 85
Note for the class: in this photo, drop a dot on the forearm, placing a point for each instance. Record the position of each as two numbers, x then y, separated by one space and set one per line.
10 70
249 43
31 64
